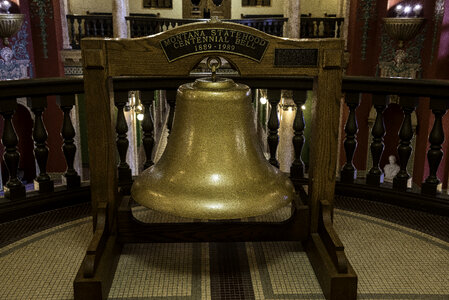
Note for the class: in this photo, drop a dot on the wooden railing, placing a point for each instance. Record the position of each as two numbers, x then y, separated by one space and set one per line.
427 197
17 201
423 195
81 26
328 27
100 25
143 26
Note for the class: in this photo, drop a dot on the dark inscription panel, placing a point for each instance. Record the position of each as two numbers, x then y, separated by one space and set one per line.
214 40
296 57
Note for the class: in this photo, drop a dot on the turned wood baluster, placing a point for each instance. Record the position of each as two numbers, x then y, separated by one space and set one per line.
281 28
94 27
72 33
87 26
14 189
66 103
121 128
348 172
155 27
302 28
339 23
297 167
110 28
43 183
434 154
102 27
327 28
171 99
275 28
147 29
80 32
138 32
146 97
404 148
375 175
274 96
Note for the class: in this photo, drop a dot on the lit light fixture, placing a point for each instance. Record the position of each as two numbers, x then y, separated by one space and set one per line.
417 10
9 23
134 104
399 9
5 5
263 100
303 107
407 10
406 24
139 112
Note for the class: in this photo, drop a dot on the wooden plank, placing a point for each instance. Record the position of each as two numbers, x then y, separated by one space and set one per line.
335 286
100 127
130 230
98 286
145 56
324 134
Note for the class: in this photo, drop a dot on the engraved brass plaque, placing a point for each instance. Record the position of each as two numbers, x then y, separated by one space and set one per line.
296 57
214 40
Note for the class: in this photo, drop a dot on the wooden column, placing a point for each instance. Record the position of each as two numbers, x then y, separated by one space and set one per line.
324 139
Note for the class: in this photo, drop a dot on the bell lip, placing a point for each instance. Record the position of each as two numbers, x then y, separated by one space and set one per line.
199 213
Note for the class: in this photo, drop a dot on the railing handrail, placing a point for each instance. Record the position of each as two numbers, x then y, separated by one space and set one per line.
126 83
354 84
396 86
322 18
41 87
90 17
199 20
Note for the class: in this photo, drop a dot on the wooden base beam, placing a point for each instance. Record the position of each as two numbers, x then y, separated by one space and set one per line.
131 230
95 275
335 286
98 286
326 254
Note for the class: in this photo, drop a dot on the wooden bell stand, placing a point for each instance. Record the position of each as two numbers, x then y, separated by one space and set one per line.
163 56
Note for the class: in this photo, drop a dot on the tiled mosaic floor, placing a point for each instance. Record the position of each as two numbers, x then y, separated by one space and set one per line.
392 261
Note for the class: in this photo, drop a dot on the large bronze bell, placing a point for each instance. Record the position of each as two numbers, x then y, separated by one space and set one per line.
213 166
